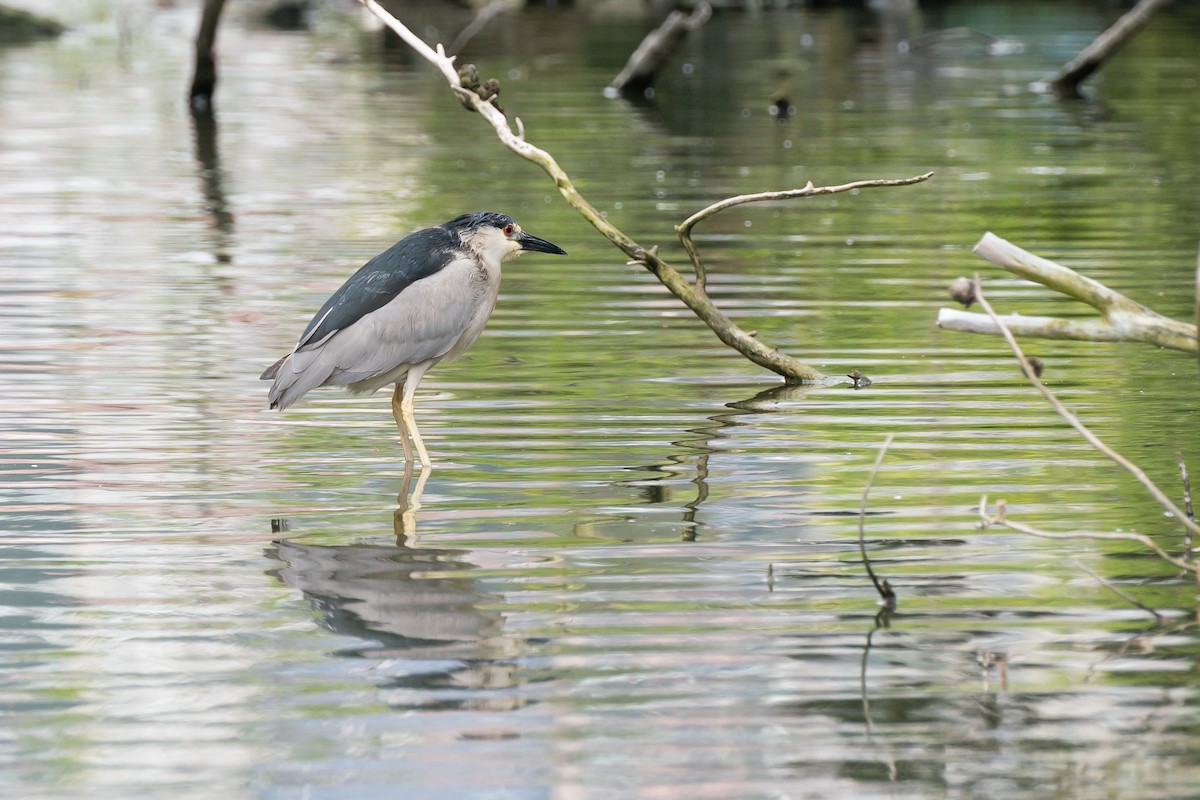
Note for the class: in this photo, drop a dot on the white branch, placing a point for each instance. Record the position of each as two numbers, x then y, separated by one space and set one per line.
1121 319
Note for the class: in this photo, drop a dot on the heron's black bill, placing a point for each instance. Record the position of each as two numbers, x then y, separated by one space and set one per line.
530 242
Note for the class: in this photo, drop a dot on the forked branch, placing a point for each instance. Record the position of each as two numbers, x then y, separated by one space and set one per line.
1000 519
693 296
684 229
1092 439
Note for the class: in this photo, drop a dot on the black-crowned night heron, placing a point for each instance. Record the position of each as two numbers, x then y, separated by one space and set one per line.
421 301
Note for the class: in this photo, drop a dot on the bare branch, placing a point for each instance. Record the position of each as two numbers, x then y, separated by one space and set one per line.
1001 519
886 594
204 76
1121 320
793 370
1122 593
1055 276
1187 504
808 191
684 229
1078 330
1075 423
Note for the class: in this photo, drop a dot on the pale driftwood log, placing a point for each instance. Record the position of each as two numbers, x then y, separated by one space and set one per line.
655 50
1091 58
695 298
1121 319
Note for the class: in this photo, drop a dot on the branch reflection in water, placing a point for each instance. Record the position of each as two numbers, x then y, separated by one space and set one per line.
701 448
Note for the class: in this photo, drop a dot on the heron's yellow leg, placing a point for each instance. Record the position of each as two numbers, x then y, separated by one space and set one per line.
397 400
406 410
410 421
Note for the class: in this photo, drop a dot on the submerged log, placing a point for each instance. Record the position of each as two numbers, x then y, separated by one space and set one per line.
655 51
204 78
1092 57
18 25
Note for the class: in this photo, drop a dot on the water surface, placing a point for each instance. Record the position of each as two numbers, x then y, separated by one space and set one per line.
634 571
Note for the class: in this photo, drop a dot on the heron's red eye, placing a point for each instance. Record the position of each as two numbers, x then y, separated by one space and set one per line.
508 230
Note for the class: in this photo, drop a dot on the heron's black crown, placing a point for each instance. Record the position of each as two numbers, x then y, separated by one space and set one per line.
479 219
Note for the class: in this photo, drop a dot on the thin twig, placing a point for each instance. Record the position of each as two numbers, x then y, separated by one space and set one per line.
1075 423
1122 593
684 229
1174 627
1001 519
485 15
886 594
1187 504
1187 485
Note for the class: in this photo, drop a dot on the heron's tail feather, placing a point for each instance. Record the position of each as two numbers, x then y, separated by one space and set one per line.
295 375
270 372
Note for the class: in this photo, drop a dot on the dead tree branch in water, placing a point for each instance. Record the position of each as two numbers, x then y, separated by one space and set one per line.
684 229
1000 519
793 370
886 594
655 50
1074 421
1121 319
204 78
1091 58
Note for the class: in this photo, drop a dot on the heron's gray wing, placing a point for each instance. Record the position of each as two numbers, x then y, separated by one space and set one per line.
423 323
431 317
381 280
